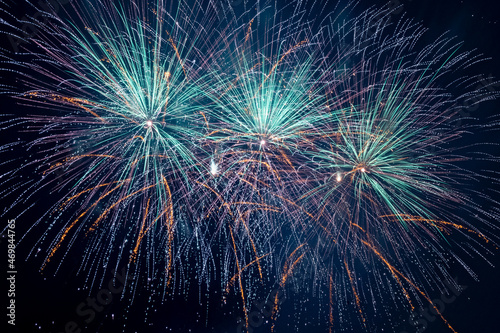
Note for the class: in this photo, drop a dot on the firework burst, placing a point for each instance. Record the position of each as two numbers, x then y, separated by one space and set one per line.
250 149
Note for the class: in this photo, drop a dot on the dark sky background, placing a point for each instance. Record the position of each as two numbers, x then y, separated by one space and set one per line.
48 303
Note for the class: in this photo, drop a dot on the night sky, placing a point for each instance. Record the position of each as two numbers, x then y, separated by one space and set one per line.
48 302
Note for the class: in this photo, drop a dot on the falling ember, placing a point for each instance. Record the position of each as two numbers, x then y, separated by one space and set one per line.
214 168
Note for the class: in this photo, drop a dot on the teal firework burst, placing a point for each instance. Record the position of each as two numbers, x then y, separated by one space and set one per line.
385 170
123 82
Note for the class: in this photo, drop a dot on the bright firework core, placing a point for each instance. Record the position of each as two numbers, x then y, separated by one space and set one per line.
149 123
